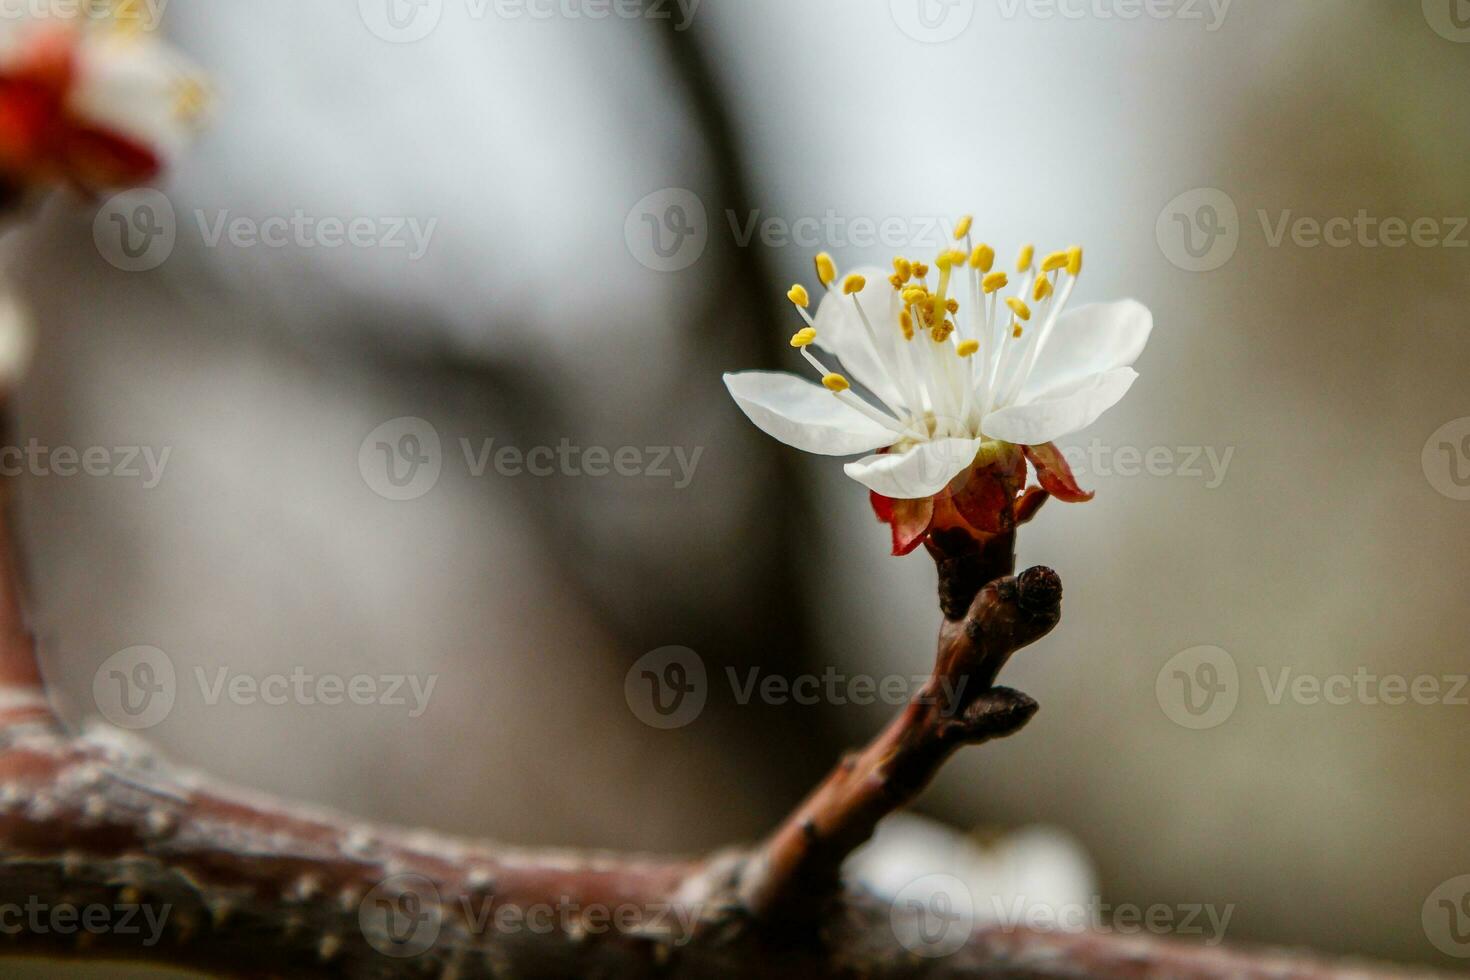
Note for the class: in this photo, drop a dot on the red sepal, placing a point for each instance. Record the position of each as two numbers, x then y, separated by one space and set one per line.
41 140
984 495
1029 503
909 520
1055 475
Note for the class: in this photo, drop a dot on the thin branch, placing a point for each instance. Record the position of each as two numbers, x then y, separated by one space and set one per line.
797 871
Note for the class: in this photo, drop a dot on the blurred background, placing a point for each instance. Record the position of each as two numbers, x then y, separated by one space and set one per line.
571 225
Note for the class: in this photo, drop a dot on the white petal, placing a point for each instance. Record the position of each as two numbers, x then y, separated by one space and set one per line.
922 471
1060 411
841 331
805 415
1089 340
134 86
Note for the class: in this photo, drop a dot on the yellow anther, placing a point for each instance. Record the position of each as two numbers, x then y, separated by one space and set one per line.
1019 308
963 228
190 100
921 270
914 295
1016 330
995 281
1027 256
1074 261
1054 261
826 269
953 305
803 337
1043 289
835 382
798 295
904 268
950 259
895 281
854 284
967 348
906 324
983 258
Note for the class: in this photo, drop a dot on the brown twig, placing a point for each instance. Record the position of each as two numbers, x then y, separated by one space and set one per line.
797 871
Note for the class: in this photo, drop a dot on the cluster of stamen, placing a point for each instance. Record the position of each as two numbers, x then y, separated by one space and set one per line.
946 388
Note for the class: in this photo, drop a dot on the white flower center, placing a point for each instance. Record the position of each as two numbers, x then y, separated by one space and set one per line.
957 350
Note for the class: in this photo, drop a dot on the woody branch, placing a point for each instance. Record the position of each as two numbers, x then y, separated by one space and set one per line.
241 884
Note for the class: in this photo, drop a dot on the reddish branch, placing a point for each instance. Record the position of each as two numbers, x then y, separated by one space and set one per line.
240 884
798 870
